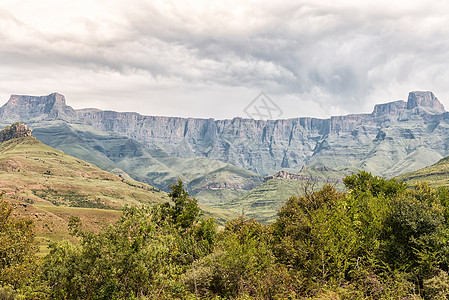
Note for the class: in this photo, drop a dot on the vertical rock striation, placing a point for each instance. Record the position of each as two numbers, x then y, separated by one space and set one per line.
385 140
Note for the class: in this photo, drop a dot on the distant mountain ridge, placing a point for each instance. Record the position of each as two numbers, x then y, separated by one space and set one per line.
396 137
264 201
306 177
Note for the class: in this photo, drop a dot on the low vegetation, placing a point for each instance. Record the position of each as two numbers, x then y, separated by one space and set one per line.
264 201
435 175
376 240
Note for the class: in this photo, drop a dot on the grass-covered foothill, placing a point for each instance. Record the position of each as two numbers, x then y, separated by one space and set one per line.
377 239
435 174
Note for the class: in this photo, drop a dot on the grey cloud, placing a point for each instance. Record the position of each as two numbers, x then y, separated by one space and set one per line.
320 52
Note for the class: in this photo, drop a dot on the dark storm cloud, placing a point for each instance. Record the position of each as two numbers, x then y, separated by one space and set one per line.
341 55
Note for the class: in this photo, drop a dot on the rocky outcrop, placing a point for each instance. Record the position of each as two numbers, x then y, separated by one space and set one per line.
284 175
226 185
17 130
304 177
424 99
391 108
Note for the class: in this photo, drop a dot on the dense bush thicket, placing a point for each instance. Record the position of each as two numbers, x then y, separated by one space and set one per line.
378 240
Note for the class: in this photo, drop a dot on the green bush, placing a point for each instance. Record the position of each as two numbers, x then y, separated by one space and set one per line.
142 254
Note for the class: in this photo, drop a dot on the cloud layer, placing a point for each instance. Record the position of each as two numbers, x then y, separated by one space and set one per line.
211 58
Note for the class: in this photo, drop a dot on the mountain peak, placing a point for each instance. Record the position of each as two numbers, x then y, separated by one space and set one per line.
53 98
424 99
23 107
390 108
16 130
57 98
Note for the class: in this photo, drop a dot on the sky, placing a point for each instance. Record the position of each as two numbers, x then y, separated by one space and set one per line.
212 59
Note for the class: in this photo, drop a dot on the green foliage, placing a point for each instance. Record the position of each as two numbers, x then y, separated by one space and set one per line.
17 247
364 243
298 218
378 240
415 234
127 259
313 236
141 254
185 210
437 287
364 182
7 293
442 194
18 262
242 265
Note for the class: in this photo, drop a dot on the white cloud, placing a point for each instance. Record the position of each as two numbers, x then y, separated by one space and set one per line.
211 58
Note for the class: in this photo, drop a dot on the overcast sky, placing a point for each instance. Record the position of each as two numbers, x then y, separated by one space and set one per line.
212 58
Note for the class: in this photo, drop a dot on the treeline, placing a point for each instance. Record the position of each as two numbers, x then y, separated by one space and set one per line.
378 240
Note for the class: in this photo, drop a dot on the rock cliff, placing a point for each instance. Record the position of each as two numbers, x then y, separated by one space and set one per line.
27 108
424 99
388 141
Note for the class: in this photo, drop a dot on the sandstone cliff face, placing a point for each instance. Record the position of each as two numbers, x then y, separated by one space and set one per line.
26 108
17 130
387 139
392 108
424 99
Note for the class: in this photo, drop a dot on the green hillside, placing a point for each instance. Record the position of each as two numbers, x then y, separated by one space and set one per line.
264 201
127 157
50 186
33 172
223 184
436 174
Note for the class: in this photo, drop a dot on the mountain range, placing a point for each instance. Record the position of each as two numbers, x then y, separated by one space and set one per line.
221 160
50 186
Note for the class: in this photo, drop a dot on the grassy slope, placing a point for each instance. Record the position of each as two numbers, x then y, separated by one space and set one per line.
51 222
216 197
50 186
33 172
224 184
113 152
436 174
264 201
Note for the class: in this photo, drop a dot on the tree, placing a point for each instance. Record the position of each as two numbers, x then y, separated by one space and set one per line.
415 234
18 261
185 210
241 265
337 240
142 254
313 235
364 182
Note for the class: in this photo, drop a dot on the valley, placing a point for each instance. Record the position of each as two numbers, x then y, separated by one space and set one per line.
99 196
222 161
